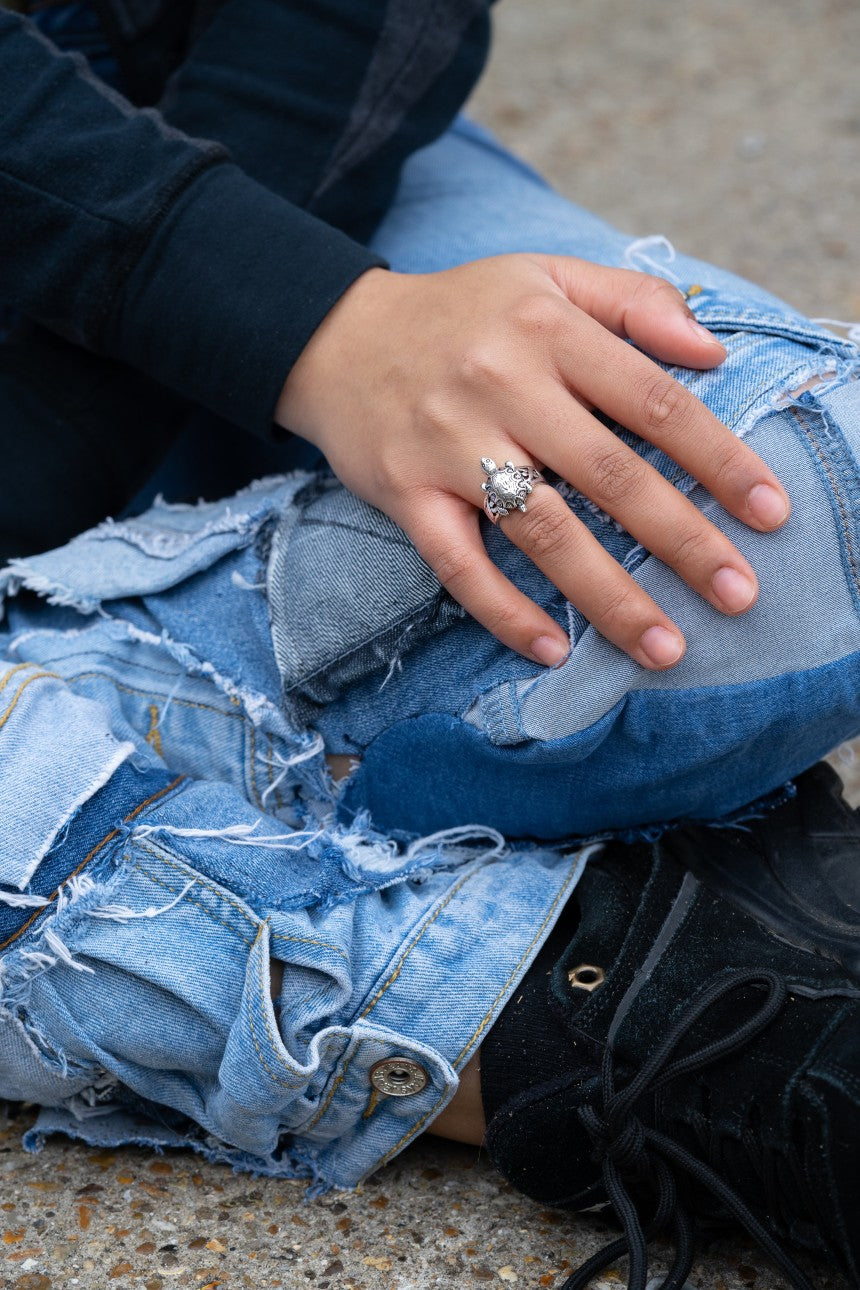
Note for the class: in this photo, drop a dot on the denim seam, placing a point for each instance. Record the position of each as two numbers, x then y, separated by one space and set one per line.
419 1125
37 676
91 855
19 667
335 1086
148 694
293 1087
562 893
395 974
220 894
250 758
173 891
411 946
363 645
834 487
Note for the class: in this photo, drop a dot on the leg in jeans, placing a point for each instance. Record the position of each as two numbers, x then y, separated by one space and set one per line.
235 643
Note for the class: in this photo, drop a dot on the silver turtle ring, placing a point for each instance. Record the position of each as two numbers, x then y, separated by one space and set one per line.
507 487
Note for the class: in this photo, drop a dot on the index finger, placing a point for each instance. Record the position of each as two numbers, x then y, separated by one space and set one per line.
634 391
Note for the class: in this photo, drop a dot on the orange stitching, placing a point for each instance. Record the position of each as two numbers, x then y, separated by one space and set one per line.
246 940
37 676
218 892
309 940
131 689
416 1128
191 703
153 734
335 1086
222 894
12 670
396 973
87 858
483 1024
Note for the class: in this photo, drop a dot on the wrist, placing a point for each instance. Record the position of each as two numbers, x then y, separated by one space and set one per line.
311 385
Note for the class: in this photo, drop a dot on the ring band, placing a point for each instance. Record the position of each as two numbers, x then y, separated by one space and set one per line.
507 487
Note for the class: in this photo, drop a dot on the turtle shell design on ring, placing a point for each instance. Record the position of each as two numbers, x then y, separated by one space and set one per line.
507 487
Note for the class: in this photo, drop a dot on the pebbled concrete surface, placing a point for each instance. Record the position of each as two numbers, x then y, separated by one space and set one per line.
735 130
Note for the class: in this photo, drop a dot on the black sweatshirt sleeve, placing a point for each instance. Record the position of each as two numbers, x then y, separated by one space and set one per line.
134 240
205 268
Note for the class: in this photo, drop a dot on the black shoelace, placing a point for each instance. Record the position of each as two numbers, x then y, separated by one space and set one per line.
626 1148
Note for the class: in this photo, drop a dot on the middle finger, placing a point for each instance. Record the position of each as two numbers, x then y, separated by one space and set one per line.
609 473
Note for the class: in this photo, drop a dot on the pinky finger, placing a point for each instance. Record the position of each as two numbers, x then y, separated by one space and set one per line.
452 546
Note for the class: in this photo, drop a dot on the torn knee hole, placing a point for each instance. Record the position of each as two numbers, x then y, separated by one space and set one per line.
341 765
813 383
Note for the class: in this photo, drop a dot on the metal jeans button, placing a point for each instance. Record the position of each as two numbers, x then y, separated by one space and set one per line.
398 1076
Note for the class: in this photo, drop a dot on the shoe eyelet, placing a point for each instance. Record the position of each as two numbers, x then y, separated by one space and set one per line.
586 977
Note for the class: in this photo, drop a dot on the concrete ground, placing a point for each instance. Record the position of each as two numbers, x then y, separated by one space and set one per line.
734 129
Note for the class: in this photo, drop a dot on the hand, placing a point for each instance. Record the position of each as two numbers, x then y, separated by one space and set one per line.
411 379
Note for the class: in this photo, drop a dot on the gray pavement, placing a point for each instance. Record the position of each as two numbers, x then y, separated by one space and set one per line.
734 129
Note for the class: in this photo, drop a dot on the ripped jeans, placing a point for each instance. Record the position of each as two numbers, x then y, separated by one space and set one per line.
170 684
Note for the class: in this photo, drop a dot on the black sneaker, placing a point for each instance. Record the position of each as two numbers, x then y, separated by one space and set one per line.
670 1056
797 868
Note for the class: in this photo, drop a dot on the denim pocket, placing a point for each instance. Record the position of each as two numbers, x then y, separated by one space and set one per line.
347 591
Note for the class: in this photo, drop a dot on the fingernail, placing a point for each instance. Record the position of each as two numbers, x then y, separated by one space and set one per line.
548 650
702 333
767 505
735 590
661 647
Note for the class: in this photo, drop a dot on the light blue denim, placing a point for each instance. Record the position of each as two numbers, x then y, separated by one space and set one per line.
170 683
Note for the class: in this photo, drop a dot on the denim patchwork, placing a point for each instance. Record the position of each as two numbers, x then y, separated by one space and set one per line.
226 647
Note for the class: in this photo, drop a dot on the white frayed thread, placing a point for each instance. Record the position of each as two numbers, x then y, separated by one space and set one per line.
78 885
396 664
63 953
238 835
455 837
572 622
286 764
851 329
243 584
633 557
636 256
122 913
23 900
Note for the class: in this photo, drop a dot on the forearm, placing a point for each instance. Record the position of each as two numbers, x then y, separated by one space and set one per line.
140 243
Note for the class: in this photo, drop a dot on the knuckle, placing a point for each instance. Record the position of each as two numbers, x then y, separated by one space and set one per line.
618 610
539 314
435 415
506 622
651 288
453 566
615 475
483 364
729 467
387 474
665 404
690 546
545 531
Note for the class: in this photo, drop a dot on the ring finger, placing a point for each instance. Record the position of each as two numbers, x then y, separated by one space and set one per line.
565 550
